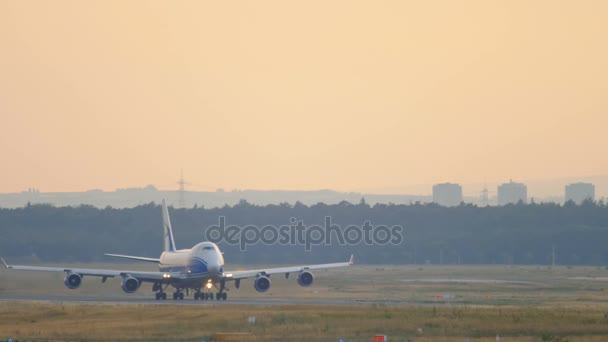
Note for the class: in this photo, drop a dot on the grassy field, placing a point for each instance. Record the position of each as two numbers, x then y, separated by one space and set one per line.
84 322
415 303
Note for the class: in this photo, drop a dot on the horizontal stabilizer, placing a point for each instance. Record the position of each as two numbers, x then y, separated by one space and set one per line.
133 257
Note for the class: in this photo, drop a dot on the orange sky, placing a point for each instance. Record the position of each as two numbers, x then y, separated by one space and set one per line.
347 95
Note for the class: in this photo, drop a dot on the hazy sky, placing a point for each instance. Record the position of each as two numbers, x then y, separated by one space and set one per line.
347 95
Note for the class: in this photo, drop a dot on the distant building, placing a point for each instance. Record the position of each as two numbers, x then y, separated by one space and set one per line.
512 193
579 192
447 194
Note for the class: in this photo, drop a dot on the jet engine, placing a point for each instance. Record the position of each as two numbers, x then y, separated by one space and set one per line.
261 283
72 280
305 278
130 284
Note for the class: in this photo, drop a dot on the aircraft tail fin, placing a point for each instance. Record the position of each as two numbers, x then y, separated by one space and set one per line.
169 245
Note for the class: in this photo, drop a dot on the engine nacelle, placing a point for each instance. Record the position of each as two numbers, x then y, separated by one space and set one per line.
130 284
305 278
72 280
261 283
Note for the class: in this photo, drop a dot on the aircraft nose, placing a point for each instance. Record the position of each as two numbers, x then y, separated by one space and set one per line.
214 268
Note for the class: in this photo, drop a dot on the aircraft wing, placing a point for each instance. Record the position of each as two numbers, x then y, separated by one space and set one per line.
283 270
132 257
142 276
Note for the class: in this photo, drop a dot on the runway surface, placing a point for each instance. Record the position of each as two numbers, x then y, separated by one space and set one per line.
262 301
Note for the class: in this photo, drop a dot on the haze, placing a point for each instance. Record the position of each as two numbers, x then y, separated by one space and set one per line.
347 95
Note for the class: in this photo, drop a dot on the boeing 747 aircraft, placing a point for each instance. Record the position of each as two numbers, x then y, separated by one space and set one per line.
200 268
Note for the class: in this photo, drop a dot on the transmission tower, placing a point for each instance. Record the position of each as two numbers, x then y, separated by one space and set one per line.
182 190
484 196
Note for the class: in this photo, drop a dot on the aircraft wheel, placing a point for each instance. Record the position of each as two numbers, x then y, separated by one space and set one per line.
218 296
196 295
180 296
157 295
211 296
164 296
224 296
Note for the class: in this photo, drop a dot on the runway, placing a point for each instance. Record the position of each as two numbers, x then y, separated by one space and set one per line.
93 299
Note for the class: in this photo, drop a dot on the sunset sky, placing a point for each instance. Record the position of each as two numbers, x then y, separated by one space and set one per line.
347 95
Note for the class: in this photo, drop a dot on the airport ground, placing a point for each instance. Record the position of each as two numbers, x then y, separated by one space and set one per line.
406 303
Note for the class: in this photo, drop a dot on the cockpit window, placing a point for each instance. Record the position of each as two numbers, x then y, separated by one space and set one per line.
208 248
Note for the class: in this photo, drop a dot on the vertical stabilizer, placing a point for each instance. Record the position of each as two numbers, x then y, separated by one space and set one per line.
169 242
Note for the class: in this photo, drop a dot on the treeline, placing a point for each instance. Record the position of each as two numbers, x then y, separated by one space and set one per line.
467 234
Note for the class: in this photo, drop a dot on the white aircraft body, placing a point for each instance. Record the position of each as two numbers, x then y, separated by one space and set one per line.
200 268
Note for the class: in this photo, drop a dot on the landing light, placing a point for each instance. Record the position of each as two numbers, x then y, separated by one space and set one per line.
209 285
166 276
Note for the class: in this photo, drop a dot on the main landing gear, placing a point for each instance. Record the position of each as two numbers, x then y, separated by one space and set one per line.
210 295
160 292
162 295
221 295
198 295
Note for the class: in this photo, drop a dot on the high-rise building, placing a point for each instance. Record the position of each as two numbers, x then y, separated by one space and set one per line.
447 194
512 193
579 192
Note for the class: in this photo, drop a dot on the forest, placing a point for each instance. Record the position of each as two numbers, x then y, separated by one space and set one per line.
535 233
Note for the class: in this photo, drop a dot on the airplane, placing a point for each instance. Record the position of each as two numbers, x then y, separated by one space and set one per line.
200 268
